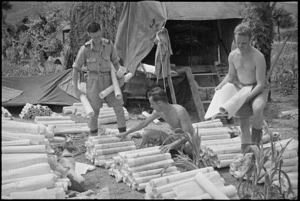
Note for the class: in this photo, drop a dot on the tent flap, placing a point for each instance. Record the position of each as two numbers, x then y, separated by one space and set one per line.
140 21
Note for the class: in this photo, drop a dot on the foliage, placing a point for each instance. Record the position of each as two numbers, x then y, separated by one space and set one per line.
107 14
182 160
285 73
34 40
256 171
282 19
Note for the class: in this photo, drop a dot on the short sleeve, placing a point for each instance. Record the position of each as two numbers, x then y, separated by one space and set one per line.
79 61
114 57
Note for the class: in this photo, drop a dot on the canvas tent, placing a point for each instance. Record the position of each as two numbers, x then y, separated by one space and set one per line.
140 21
44 89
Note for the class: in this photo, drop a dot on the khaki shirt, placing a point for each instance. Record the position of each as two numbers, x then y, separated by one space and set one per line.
97 61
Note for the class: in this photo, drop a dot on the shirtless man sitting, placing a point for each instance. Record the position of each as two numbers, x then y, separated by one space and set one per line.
175 115
247 66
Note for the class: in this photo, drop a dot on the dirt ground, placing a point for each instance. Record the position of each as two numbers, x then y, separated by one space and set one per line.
288 128
100 178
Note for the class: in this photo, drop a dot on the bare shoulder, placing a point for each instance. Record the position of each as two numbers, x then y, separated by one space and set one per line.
180 109
257 53
232 54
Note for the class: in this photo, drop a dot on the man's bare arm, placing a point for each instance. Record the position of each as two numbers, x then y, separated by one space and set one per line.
231 72
260 65
141 125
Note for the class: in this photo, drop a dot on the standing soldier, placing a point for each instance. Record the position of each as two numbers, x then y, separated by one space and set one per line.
97 54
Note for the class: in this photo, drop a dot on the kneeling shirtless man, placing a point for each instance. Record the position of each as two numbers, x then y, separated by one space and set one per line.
175 115
247 66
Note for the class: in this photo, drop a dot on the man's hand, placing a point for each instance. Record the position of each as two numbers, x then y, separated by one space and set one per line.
166 148
218 87
77 92
121 135
121 81
121 72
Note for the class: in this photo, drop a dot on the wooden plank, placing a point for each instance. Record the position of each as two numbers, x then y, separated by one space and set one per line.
172 89
196 96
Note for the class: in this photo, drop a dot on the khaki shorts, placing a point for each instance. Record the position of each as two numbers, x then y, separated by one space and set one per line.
246 110
97 83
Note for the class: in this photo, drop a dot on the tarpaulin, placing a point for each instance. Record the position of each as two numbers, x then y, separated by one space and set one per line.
39 90
140 21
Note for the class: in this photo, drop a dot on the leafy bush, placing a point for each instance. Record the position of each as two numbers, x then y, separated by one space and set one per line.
37 39
285 73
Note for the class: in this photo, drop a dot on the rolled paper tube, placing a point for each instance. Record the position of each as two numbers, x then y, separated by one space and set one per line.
54 122
117 90
113 145
77 104
208 125
87 106
212 131
32 170
105 140
178 177
110 119
164 188
72 125
142 153
209 187
44 181
114 150
44 193
21 142
140 180
71 130
110 89
15 126
236 101
224 163
286 162
33 137
47 118
24 149
215 137
191 188
13 161
147 159
154 171
168 195
230 191
155 165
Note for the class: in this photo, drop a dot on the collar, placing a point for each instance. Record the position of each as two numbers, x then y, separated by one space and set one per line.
90 42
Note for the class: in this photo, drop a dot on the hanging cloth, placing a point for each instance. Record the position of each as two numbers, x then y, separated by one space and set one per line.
162 55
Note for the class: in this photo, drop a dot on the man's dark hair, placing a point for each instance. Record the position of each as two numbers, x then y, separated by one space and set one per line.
93 27
158 94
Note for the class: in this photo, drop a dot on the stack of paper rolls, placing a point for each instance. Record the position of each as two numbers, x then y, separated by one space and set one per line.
28 170
158 188
101 149
137 167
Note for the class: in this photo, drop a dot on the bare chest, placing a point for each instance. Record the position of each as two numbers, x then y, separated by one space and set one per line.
244 64
171 118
